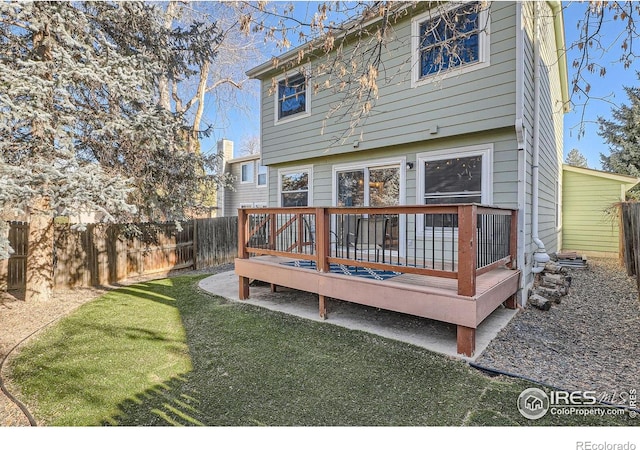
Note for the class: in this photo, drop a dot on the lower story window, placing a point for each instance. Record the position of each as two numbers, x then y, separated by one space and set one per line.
369 186
294 188
453 178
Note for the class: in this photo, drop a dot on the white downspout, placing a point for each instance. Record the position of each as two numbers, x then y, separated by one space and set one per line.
540 256
521 136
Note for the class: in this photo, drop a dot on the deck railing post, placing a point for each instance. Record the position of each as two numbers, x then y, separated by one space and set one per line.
243 232
300 231
323 247
467 249
513 240
273 228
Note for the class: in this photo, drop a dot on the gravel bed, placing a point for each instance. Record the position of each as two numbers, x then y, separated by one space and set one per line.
590 341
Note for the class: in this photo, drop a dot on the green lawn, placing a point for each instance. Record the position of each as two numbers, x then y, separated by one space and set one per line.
166 353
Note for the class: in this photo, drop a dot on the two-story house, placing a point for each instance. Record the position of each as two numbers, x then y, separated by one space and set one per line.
484 128
248 188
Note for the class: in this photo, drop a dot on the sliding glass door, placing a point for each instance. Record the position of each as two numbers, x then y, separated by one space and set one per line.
368 185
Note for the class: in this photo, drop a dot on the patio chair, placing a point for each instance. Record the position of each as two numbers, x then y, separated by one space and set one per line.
371 235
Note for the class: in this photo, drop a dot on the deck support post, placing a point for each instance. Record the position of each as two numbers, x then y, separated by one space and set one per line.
323 247
243 233
466 338
511 302
243 288
322 303
274 288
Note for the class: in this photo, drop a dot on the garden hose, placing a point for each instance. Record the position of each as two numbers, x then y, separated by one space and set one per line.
3 388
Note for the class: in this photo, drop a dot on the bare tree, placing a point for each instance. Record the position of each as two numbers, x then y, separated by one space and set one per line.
213 88
597 49
250 145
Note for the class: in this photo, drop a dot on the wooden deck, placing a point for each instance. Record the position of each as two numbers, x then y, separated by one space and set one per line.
467 269
420 295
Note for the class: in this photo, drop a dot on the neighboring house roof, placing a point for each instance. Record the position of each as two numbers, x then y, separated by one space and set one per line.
267 67
241 159
627 180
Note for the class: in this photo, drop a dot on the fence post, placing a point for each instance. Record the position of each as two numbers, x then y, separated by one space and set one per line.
195 244
467 249
322 239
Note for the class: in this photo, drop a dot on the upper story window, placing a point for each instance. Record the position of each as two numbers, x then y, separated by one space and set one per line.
446 40
262 175
293 99
246 173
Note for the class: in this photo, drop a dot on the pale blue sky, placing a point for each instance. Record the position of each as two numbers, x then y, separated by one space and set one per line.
604 93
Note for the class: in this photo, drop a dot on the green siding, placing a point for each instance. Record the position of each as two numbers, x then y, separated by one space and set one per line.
587 227
471 102
473 108
504 166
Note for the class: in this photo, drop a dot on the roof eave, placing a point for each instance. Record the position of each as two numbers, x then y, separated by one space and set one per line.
558 27
625 179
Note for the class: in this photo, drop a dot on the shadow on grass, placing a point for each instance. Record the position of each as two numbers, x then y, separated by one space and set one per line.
215 363
160 406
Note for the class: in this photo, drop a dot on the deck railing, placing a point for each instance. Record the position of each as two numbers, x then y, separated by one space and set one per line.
451 241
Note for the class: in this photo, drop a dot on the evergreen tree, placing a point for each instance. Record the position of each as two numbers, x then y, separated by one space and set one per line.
577 159
80 125
622 133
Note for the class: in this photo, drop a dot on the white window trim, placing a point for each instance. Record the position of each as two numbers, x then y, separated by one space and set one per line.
262 186
307 98
254 172
484 150
297 169
374 164
484 48
370 164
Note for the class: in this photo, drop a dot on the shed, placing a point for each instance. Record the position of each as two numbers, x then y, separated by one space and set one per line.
589 225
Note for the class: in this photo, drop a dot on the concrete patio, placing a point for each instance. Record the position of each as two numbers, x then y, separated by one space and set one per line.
432 335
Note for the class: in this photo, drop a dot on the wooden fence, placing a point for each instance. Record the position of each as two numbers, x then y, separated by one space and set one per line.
630 238
105 254
14 270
